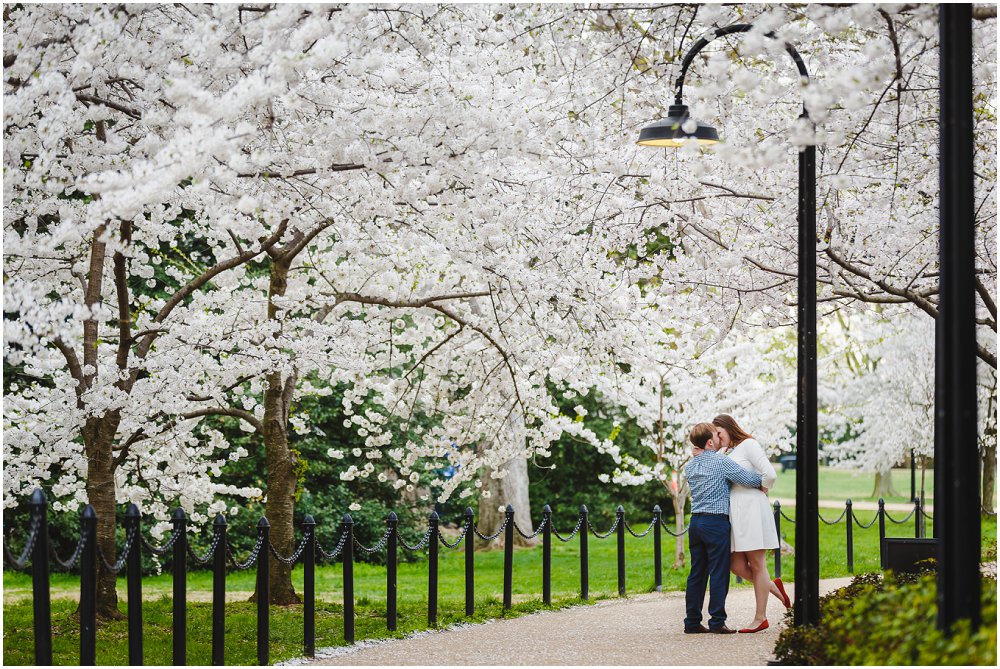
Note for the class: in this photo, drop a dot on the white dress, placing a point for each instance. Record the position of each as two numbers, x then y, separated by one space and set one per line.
750 514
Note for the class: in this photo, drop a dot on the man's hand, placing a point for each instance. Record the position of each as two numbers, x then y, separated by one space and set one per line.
763 490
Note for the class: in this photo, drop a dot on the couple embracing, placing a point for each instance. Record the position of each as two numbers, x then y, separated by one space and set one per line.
731 524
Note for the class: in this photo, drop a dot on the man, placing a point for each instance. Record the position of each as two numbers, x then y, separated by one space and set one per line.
709 475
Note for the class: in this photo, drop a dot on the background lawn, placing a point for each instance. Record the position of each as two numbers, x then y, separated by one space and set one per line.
286 625
844 484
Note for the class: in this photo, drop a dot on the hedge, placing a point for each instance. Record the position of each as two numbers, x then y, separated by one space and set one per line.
890 621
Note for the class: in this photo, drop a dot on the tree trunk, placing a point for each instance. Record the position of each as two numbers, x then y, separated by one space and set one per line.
680 500
988 451
511 489
989 460
98 439
883 485
923 481
281 482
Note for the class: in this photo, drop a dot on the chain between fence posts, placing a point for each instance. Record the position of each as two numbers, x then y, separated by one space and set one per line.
584 559
88 589
348 579
219 592
133 572
881 532
850 537
180 587
777 529
309 588
657 550
917 529
42 615
432 571
263 592
547 555
392 523
470 568
508 557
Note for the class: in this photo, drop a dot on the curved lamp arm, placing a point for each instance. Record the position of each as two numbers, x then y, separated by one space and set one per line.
722 32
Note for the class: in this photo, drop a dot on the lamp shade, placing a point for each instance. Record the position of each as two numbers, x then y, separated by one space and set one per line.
668 131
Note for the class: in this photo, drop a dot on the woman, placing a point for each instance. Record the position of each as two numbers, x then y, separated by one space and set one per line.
751 519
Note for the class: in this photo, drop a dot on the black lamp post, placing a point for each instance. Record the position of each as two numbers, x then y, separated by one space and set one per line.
956 452
671 132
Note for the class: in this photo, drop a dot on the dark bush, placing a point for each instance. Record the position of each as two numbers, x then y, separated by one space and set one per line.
890 621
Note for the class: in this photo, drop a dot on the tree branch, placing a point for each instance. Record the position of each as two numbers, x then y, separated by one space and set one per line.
95 278
275 174
431 303
124 309
226 411
296 247
205 277
207 398
93 99
406 304
733 193
918 299
984 293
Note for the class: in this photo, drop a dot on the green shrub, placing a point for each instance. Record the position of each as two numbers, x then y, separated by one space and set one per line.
890 621
989 550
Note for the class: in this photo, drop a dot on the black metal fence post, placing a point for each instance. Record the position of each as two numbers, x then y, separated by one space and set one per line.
263 592
180 588
508 557
657 550
133 572
309 588
470 551
547 555
348 579
916 518
584 559
219 592
88 589
620 521
850 537
881 532
390 572
42 614
432 571
777 528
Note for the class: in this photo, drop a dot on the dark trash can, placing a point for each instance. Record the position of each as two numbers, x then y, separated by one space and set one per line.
906 555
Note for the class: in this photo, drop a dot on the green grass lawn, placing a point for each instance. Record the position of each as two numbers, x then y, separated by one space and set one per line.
286 622
844 484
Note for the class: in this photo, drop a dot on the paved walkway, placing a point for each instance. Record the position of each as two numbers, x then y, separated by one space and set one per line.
640 630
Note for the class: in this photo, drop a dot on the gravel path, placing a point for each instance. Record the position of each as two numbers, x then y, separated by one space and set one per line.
640 630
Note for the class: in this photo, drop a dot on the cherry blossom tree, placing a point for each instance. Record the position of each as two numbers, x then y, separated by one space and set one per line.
892 360
442 209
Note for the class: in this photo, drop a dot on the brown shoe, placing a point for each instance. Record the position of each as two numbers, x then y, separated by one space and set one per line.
700 629
722 630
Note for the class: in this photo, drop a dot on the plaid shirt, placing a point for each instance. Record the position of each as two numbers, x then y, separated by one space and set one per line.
709 476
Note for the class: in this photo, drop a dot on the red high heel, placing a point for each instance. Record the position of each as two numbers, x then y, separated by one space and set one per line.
760 628
784 595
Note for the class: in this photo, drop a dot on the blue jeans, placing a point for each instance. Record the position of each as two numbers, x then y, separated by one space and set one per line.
708 539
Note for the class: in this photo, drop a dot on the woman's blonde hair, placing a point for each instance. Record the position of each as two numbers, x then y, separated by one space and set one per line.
736 433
